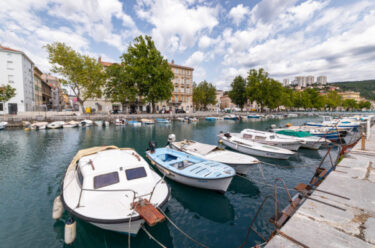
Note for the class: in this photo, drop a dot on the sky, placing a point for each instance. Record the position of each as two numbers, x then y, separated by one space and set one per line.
219 39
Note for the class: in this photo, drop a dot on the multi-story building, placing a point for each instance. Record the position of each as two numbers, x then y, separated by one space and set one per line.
16 70
309 80
57 94
182 95
38 91
286 82
351 95
46 95
321 80
300 81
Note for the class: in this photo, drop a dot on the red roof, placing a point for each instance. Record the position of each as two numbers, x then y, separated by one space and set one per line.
106 63
8 49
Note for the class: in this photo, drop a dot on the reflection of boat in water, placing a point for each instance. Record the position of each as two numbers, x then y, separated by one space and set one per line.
244 186
208 204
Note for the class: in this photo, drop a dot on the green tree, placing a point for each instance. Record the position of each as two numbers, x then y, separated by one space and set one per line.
238 92
272 93
333 99
82 74
152 74
203 95
6 93
119 87
254 87
350 104
287 97
364 105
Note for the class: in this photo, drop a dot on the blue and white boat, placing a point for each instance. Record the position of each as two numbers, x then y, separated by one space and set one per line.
161 120
254 116
135 123
339 123
210 118
231 117
191 170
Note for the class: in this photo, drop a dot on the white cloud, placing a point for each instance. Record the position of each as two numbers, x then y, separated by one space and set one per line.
238 13
195 59
172 18
268 10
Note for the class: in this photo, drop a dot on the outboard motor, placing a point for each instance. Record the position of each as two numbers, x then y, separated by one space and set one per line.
151 146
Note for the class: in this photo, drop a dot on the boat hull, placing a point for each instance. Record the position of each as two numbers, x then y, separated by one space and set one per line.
290 146
132 228
220 185
250 151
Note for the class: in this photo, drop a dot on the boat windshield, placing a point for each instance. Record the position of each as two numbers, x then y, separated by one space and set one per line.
135 173
247 136
106 180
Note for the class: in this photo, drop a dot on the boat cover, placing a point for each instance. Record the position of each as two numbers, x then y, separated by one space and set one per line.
200 148
300 134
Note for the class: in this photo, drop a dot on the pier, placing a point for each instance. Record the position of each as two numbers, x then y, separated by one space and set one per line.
346 219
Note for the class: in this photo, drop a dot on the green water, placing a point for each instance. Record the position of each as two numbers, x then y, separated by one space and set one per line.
32 165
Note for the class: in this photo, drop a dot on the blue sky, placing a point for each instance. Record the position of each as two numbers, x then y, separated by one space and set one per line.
220 39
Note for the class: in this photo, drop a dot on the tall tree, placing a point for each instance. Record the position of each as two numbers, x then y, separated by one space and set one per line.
146 67
350 104
254 90
6 93
204 94
364 104
238 92
272 93
333 99
119 87
82 74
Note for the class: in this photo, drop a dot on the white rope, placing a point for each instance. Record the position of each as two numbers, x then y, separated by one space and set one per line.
130 220
152 237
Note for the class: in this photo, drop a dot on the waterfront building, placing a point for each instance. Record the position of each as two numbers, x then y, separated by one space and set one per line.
309 80
216 107
57 94
226 102
46 95
38 94
16 70
351 95
321 80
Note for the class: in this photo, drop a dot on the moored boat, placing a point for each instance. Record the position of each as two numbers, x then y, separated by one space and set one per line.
134 123
99 123
147 121
104 186
310 141
120 122
71 124
237 143
254 116
161 120
210 118
39 125
86 123
231 117
191 170
3 125
55 125
240 162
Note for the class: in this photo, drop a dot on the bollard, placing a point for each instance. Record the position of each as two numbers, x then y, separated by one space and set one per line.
363 143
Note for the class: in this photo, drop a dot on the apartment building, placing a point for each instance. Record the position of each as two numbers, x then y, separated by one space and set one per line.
38 92
16 70
310 80
300 81
286 82
57 93
321 80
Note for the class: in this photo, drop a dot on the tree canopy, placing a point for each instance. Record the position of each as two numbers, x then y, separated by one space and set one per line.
238 92
82 74
144 65
6 93
203 95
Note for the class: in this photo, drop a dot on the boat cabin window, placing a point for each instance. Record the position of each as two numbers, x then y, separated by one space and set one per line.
106 180
135 173
247 136
272 137
260 138
80 177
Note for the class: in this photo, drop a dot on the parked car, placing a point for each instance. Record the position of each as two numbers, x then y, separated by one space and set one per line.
180 111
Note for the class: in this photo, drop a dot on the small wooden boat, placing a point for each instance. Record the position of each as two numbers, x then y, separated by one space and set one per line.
240 162
254 116
236 142
86 123
108 187
231 117
3 125
38 125
134 123
71 124
120 122
272 139
210 118
148 121
181 119
191 170
55 125
161 120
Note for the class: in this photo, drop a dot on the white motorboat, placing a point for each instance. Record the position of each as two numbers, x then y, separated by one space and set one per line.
99 123
105 186
236 142
86 123
55 125
346 123
71 124
191 170
240 162
120 122
271 139
106 124
231 117
3 125
147 121
181 119
39 125
310 141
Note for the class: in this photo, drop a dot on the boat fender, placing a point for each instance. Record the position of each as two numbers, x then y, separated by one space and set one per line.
151 146
70 231
171 138
57 209
27 129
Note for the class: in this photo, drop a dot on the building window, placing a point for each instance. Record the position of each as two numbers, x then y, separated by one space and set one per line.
10 65
11 79
1 106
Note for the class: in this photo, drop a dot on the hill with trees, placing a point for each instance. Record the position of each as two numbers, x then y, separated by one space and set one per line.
365 87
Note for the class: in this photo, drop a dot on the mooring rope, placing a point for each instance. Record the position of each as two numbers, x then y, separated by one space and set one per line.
179 229
152 237
130 220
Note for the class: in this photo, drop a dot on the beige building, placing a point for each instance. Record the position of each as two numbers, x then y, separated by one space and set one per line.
216 107
38 91
351 95
57 94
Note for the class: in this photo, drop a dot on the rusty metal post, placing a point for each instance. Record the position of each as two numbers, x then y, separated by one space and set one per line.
363 142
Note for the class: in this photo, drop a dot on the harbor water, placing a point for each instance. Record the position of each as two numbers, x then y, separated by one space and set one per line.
32 166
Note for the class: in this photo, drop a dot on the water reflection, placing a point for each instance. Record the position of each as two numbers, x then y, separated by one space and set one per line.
243 186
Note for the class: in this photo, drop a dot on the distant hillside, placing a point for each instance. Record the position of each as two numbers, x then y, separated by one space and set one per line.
365 87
